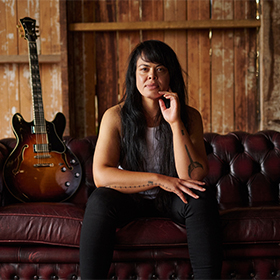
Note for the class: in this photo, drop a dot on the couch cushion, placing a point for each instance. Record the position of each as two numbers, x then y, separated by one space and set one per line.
151 232
44 223
60 224
251 225
248 225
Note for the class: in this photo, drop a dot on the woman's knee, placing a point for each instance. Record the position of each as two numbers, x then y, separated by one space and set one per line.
102 200
206 202
205 205
109 203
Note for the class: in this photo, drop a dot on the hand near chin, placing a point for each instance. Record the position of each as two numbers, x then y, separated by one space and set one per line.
171 114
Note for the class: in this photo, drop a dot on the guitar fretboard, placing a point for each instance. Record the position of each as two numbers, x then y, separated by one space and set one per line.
38 109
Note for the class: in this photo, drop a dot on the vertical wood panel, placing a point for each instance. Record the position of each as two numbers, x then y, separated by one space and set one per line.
177 40
88 72
198 47
82 70
9 98
222 70
252 79
76 91
241 114
64 66
50 44
24 74
128 11
106 58
152 11
245 80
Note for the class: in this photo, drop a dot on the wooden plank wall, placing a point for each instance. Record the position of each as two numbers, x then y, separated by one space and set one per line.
15 91
220 63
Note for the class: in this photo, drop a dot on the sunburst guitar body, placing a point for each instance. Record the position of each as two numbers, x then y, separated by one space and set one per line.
41 167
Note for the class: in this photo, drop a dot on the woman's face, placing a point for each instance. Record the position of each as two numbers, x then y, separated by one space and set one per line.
151 78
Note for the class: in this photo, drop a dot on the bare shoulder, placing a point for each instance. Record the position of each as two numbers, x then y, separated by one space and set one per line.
112 117
195 120
193 114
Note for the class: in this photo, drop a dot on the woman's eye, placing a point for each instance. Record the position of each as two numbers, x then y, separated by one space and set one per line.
161 69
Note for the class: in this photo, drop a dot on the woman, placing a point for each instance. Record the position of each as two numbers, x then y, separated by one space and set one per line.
149 161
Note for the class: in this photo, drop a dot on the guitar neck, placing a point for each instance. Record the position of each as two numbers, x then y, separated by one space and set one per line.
38 109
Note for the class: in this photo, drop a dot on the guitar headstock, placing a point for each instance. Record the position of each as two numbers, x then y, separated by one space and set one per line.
29 28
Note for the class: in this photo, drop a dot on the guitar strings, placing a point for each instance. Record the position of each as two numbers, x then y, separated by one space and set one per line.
41 145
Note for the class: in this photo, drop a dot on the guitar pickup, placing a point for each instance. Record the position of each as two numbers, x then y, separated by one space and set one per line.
44 165
43 156
41 148
38 129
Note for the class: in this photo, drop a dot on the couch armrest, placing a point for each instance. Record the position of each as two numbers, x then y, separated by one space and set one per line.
6 146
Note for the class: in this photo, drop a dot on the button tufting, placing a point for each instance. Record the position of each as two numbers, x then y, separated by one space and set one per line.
74 277
154 276
16 277
173 276
114 277
252 274
35 277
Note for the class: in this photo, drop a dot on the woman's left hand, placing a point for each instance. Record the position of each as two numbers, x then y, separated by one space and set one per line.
171 114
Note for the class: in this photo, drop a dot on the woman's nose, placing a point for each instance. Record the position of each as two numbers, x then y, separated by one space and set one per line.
152 74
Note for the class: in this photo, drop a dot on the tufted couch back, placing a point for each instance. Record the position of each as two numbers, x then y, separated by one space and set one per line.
244 168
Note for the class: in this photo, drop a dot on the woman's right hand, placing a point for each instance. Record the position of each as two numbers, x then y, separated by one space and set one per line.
181 187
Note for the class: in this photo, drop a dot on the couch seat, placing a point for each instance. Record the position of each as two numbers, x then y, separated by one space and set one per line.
44 223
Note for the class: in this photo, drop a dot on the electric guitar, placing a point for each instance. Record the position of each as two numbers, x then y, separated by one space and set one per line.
41 167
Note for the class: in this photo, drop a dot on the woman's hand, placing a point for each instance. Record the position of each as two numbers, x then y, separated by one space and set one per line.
181 187
171 114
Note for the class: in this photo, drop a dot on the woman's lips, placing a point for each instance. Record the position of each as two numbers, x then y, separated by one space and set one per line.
152 86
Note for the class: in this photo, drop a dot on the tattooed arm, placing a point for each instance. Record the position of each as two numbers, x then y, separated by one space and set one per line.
189 150
107 174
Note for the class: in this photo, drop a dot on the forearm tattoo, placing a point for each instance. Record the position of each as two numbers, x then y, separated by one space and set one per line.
193 164
150 183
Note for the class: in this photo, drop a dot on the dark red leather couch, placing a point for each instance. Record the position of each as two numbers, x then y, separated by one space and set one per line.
41 240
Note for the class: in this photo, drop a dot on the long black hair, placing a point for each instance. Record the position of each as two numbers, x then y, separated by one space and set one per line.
134 125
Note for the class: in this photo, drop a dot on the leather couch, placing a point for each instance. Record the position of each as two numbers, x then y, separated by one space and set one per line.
41 240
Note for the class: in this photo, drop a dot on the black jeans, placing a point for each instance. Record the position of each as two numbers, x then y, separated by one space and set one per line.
108 209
